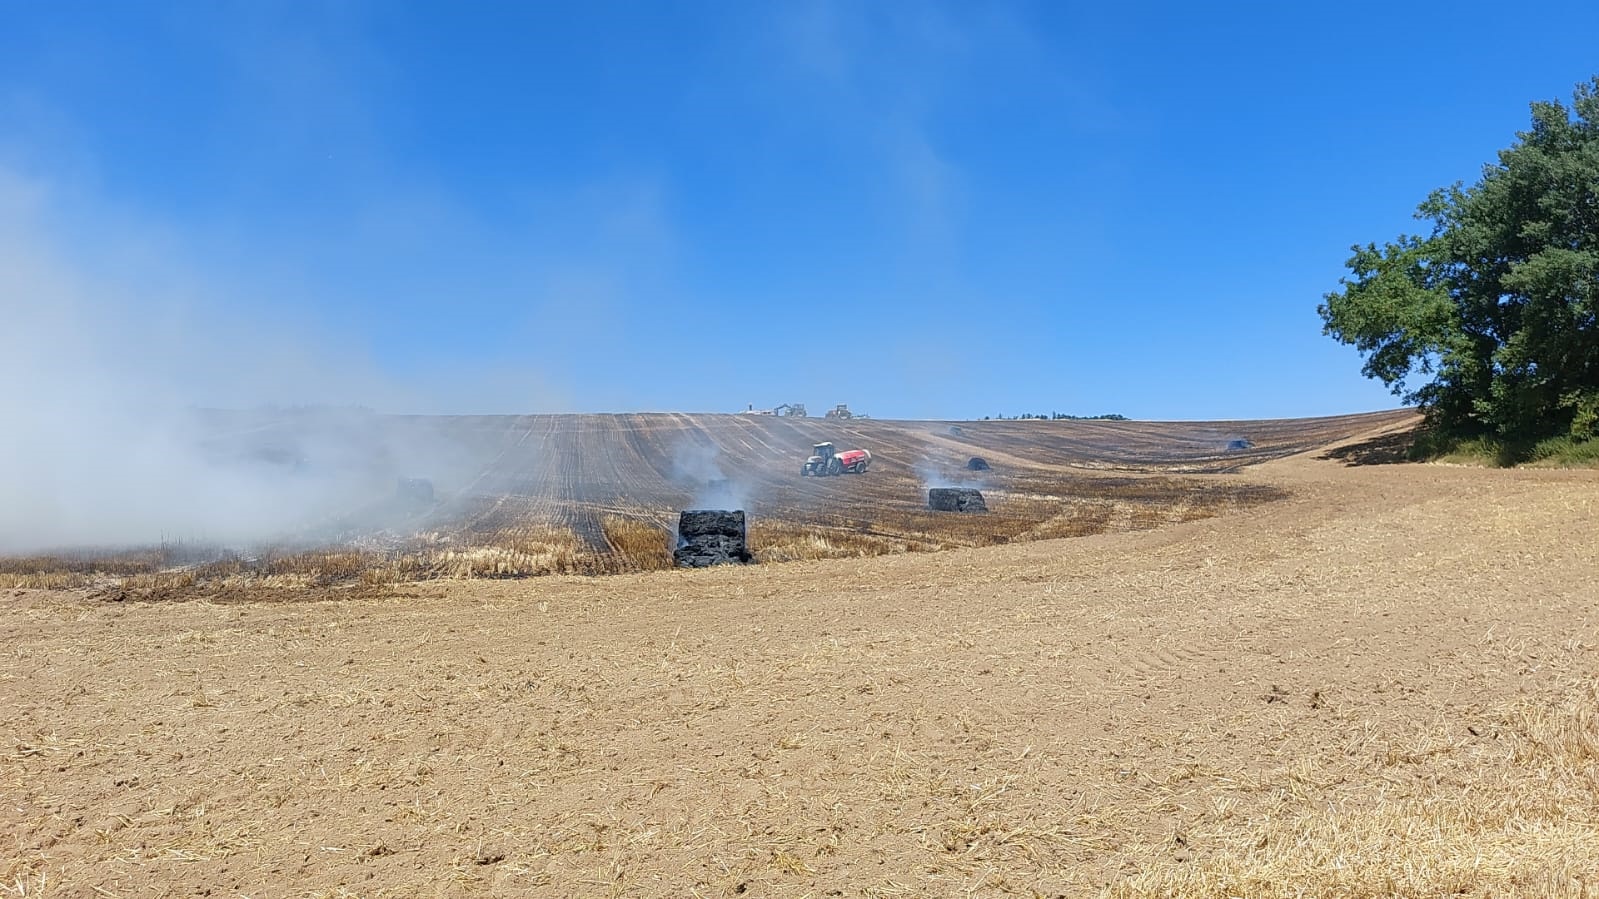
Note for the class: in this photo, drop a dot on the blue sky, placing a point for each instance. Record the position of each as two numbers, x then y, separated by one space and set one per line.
921 209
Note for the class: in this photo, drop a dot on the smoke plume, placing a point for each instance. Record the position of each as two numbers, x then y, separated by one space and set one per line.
695 467
118 361
933 474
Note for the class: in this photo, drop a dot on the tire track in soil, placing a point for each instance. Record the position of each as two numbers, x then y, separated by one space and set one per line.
518 481
1157 664
646 441
575 452
623 482
483 499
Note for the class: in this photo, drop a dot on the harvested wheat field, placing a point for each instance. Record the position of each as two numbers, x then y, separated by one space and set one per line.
1382 683
526 495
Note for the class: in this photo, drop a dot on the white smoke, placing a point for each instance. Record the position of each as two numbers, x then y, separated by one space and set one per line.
696 467
934 474
116 346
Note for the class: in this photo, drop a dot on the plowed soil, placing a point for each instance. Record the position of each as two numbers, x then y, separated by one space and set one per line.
1383 684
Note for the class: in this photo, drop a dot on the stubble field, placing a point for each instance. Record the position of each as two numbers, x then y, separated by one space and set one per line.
520 496
1383 682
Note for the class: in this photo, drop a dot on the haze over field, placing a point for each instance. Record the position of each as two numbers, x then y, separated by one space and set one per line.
939 212
376 517
321 477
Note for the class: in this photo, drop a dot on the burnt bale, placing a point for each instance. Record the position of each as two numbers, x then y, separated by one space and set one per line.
708 537
977 463
711 550
956 499
418 491
707 522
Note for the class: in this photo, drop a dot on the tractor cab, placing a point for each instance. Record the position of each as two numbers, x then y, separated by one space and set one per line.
821 457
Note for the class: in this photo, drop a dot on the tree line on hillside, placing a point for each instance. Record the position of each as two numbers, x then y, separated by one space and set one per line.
1490 322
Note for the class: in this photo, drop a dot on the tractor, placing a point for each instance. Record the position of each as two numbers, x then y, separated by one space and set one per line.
825 461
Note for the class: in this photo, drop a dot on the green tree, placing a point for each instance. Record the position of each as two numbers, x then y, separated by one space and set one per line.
1496 312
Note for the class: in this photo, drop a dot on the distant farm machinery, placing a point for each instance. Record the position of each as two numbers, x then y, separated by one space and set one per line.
797 410
786 410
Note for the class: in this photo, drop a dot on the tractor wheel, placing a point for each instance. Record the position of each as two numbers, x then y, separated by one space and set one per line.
835 467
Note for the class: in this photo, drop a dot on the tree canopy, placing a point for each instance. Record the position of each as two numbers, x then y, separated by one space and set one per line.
1491 322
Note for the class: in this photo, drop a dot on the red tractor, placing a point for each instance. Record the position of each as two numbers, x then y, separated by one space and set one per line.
824 461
